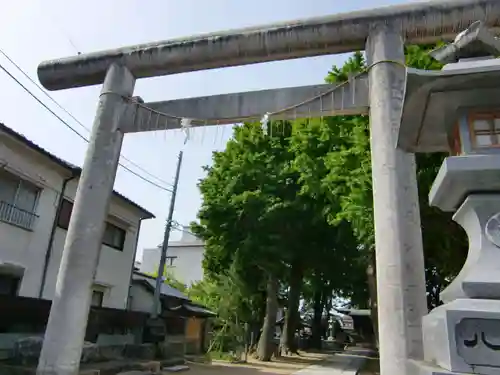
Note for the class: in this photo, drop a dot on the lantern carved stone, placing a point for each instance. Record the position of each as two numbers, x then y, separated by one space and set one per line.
457 110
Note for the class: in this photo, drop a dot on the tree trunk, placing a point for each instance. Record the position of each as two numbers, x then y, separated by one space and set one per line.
266 342
372 289
288 344
317 320
328 309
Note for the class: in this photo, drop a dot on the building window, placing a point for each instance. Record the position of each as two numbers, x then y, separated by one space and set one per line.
64 214
97 298
114 236
18 199
485 129
9 285
170 260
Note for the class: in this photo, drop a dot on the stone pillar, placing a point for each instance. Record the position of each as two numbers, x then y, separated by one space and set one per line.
64 336
398 239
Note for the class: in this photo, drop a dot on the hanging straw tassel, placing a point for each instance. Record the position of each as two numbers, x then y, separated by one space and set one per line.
186 126
264 122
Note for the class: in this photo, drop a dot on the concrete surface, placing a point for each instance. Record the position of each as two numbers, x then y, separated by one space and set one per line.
398 239
419 22
348 363
459 176
70 306
318 100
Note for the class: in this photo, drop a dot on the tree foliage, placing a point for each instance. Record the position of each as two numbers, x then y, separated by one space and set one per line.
289 209
225 295
334 160
170 279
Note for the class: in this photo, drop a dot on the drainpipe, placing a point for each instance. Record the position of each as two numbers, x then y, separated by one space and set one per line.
48 253
133 262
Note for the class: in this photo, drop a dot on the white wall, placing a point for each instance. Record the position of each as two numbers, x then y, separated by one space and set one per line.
18 246
141 299
187 267
150 261
26 249
114 267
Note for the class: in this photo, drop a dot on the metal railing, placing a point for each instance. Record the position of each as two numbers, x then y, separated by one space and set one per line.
17 216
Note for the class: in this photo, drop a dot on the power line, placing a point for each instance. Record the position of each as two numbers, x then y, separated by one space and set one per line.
74 118
179 227
76 131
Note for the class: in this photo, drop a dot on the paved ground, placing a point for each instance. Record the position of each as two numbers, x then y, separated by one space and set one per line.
308 364
347 363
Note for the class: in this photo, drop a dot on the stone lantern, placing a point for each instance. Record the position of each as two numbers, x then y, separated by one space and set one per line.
457 110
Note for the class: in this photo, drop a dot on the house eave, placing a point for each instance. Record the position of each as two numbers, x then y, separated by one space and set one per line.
71 168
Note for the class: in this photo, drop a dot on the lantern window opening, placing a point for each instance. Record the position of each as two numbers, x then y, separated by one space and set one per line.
485 130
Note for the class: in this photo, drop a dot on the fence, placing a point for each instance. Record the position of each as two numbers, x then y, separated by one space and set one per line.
22 315
14 215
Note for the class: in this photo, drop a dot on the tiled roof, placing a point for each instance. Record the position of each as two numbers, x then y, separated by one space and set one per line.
166 289
63 163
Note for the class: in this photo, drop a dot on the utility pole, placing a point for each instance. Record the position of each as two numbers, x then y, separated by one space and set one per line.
164 246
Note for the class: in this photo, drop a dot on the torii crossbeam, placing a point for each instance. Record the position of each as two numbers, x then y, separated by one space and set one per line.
381 32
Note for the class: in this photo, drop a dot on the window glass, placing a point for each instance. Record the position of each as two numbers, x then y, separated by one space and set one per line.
114 236
485 130
481 125
97 298
483 140
8 187
17 200
9 285
64 214
26 196
17 192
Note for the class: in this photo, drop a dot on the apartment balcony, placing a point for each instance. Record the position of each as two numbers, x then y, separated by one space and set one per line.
11 214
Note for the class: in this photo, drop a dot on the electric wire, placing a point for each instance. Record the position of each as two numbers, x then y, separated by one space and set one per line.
73 117
77 132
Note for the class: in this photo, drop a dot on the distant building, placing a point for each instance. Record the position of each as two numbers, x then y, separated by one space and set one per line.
37 190
184 258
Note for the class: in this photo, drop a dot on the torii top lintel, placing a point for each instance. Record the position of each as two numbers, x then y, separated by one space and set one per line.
420 22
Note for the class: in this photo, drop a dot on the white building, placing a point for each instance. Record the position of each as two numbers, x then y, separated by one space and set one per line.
184 259
142 291
34 218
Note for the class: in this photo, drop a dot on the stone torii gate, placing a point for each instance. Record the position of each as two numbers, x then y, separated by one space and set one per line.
381 32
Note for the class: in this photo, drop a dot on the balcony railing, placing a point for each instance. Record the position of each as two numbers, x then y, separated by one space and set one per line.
17 216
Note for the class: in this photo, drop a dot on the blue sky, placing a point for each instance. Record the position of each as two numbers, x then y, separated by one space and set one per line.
36 30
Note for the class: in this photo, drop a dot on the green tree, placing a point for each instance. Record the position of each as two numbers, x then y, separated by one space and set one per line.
294 203
254 216
170 279
225 295
333 158
242 215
